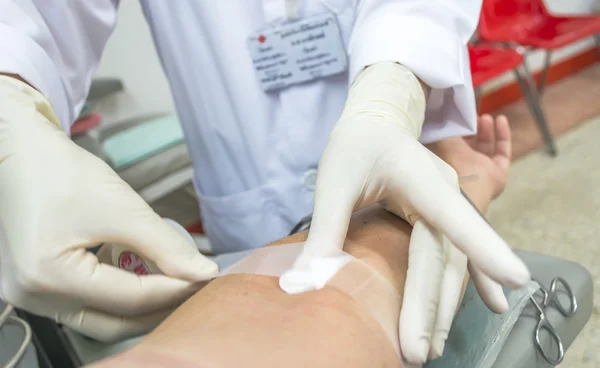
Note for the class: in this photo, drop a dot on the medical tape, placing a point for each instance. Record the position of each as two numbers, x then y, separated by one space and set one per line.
339 270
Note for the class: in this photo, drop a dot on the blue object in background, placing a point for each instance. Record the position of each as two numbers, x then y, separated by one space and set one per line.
142 141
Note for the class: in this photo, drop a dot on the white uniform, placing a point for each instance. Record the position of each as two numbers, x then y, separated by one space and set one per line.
254 153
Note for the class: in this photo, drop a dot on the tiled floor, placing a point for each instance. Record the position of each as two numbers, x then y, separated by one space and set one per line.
552 205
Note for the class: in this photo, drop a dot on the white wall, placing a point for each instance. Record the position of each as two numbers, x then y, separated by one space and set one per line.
572 6
130 55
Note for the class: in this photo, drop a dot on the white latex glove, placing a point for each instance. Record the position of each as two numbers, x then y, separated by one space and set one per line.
57 200
373 155
425 334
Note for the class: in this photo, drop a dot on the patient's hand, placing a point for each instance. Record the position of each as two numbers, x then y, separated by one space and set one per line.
486 154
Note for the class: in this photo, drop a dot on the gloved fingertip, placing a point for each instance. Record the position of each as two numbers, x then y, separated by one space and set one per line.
500 306
519 275
207 268
416 352
199 269
437 346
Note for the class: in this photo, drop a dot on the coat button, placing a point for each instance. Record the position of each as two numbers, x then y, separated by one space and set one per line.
310 179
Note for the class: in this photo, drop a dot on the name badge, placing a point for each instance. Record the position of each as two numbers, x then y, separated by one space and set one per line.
298 52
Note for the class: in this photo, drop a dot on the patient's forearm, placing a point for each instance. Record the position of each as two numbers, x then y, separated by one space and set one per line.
246 320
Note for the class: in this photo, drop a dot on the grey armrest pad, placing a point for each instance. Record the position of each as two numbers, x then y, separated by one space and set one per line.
519 350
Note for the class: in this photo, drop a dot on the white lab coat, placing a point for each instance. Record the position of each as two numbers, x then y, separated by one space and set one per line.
255 154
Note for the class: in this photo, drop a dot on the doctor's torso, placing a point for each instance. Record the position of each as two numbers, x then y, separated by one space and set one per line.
255 153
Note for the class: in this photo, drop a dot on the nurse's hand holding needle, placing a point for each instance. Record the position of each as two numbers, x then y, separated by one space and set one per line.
374 156
57 200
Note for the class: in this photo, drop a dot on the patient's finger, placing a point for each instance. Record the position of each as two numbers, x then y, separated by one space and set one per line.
452 285
485 135
503 153
109 327
426 261
490 291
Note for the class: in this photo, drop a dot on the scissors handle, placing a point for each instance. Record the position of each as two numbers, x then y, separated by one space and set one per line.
544 324
552 297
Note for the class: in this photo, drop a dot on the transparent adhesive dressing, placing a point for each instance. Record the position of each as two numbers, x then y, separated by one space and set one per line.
341 271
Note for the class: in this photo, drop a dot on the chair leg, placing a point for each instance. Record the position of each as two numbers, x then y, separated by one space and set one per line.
478 99
532 98
544 76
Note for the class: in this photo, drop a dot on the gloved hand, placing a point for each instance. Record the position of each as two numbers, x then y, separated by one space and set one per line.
57 200
373 155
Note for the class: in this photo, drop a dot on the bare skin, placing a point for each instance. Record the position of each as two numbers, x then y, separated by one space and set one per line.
246 320
486 155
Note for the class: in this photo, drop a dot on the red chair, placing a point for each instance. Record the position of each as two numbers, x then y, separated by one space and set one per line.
489 62
528 23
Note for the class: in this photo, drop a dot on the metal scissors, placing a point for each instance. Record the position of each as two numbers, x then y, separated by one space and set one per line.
7 318
550 298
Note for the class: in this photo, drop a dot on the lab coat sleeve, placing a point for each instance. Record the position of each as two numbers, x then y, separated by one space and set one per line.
56 47
429 37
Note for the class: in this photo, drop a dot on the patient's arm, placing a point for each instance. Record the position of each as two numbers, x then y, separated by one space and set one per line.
246 320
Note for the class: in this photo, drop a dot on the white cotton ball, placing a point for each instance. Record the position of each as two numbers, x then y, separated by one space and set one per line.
296 282
315 277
